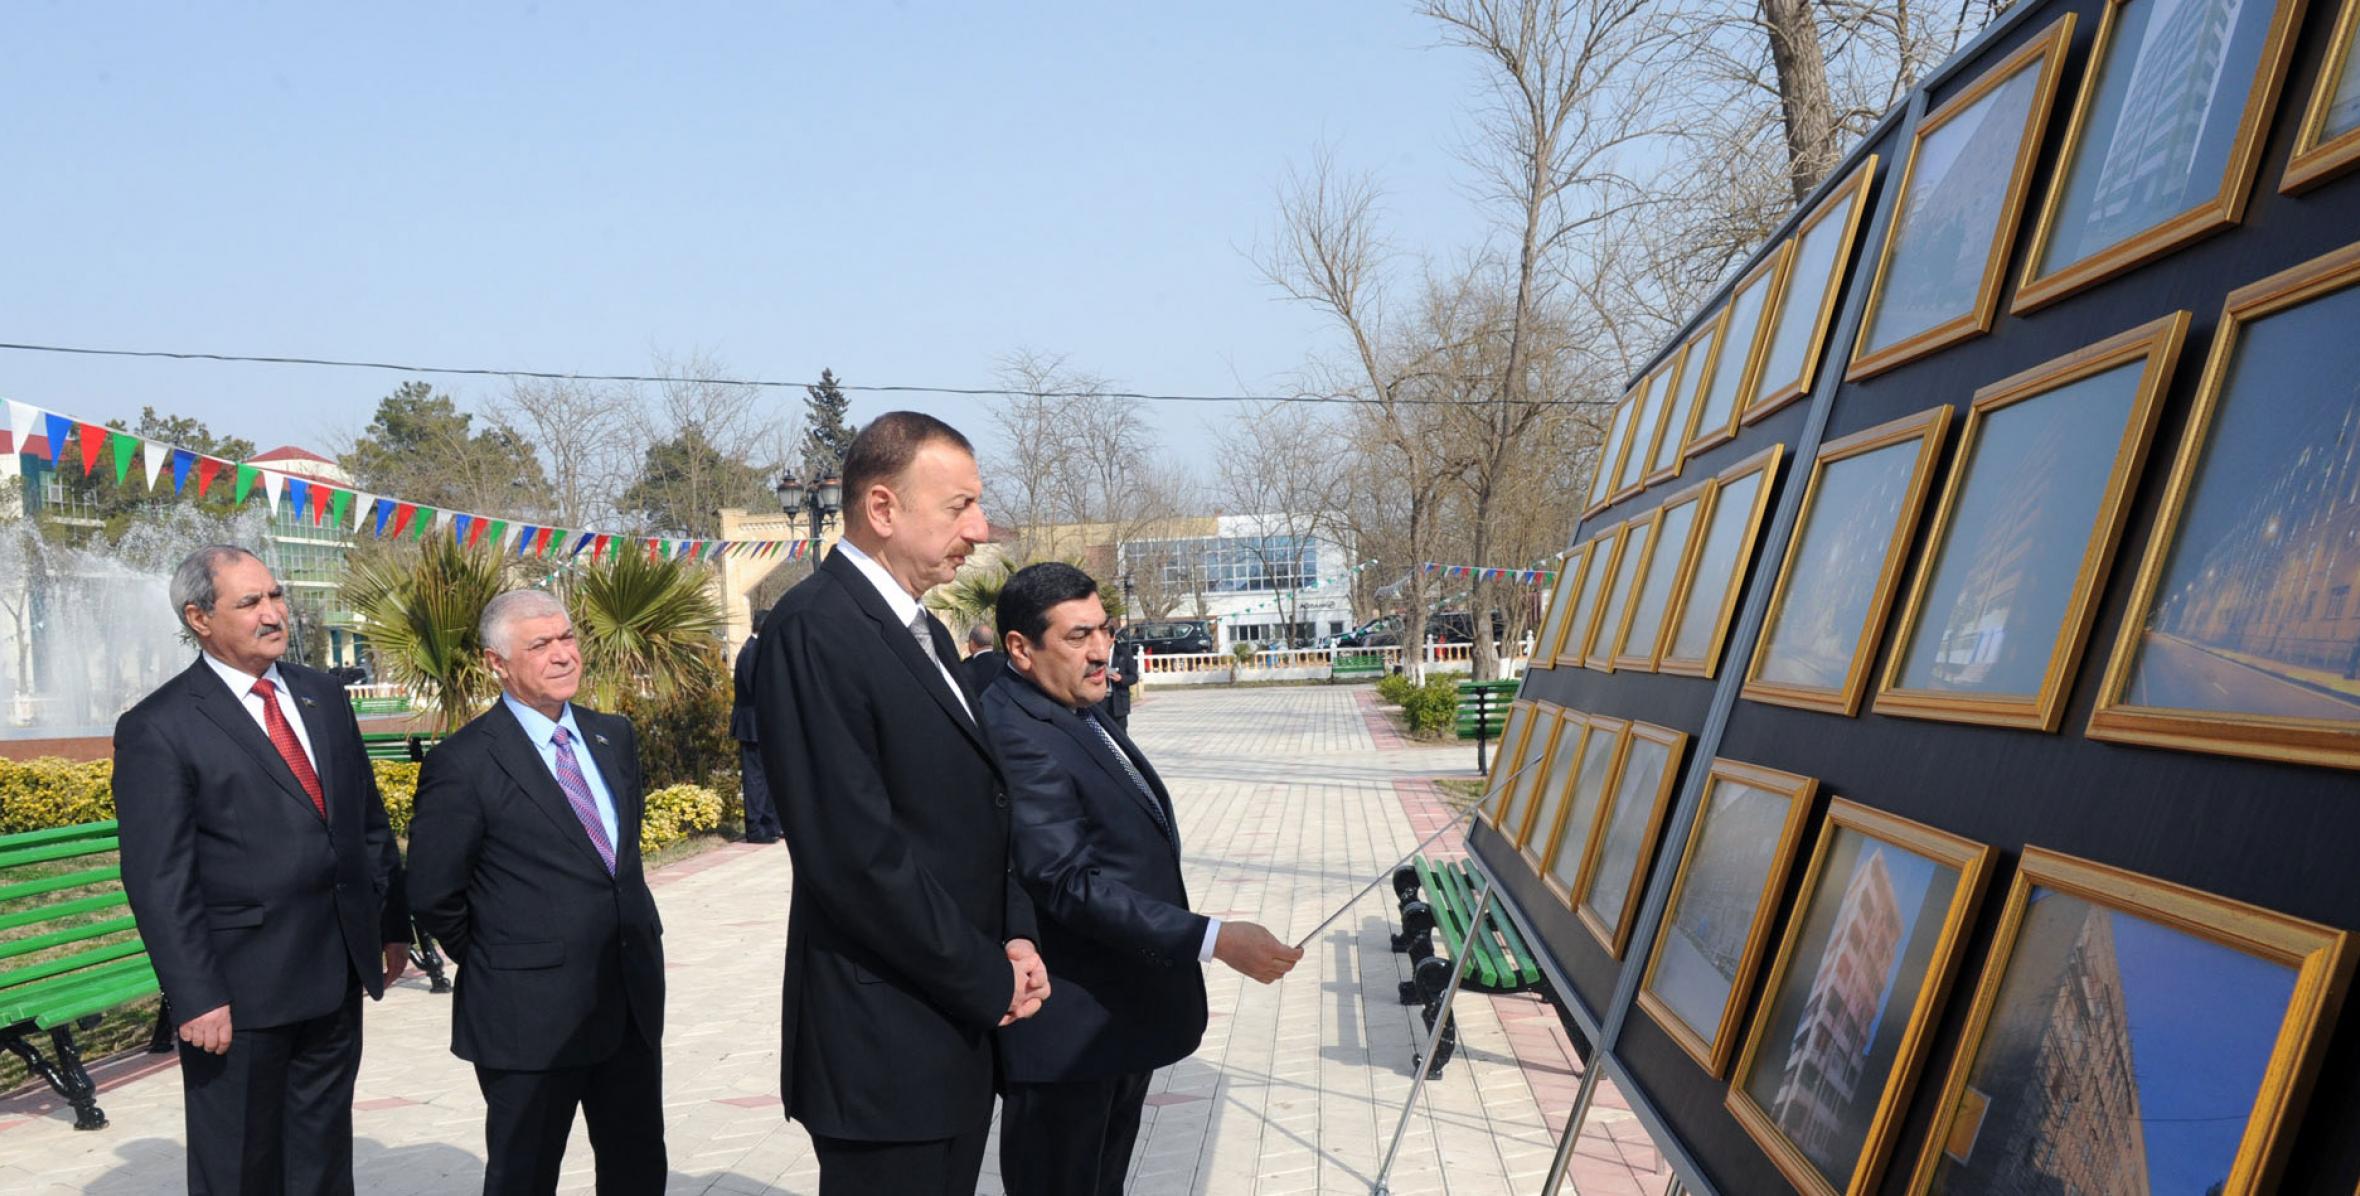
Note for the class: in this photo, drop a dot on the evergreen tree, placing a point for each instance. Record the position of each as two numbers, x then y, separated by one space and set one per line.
830 433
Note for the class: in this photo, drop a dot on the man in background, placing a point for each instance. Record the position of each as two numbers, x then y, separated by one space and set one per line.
983 660
761 815
265 882
1098 848
524 854
1122 672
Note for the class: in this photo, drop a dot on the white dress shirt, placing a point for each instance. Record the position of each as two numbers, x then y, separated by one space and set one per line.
242 684
543 732
905 608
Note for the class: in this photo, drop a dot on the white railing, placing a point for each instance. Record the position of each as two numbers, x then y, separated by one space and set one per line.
1298 664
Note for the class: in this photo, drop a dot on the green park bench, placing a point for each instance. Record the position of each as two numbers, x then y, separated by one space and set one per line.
410 746
69 953
380 707
1498 959
1483 707
1357 666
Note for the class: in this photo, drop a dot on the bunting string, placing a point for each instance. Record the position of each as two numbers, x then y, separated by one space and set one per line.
62 439
1530 577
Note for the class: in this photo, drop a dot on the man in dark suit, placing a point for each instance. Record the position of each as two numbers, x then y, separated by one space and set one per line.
1098 849
524 855
761 815
1122 672
983 662
909 939
264 879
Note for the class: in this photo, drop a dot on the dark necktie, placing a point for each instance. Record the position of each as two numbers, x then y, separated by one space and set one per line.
282 737
577 795
1145 790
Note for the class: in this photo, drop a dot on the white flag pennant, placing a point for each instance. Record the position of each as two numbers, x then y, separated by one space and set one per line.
363 506
25 420
272 482
154 456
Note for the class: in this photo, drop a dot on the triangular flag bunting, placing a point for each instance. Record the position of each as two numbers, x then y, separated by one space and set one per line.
125 446
460 526
402 514
55 429
524 538
272 483
24 421
246 475
94 439
422 520
498 534
580 544
337 506
207 467
597 547
298 497
154 456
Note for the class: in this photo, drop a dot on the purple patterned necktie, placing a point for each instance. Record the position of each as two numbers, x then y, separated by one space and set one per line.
577 795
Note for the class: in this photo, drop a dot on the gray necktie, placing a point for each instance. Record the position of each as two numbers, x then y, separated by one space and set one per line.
924 630
1153 806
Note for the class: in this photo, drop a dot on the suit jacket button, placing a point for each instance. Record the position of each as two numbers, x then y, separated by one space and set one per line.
1000 798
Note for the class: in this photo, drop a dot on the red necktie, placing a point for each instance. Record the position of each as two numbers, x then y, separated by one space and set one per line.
282 737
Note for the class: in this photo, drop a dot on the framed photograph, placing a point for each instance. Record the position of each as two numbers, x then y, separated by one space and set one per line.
1546 640
1524 780
1861 971
2007 584
2243 630
1716 929
1597 561
1655 399
1568 855
1837 581
1557 773
1737 350
1681 396
2165 137
1698 620
2328 141
1610 451
1615 608
1628 828
1672 546
1823 252
2131 1035
1512 732
1970 166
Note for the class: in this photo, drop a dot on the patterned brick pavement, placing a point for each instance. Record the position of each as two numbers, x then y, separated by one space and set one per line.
1289 800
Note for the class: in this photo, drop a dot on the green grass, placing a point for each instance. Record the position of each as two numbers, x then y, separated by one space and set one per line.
1459 792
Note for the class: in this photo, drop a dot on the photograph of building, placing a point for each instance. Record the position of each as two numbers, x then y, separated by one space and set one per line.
1833 574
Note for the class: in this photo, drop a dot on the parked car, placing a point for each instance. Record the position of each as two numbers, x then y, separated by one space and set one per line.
1165 636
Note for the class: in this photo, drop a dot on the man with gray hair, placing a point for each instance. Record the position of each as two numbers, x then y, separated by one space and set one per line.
524 861
265 882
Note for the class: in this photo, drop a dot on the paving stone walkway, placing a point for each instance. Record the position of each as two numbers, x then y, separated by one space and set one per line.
1289 800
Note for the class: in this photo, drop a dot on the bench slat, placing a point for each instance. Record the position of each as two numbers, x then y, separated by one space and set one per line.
57 851
25 1000
1451 915
59 938
1466 896
62 909
52 884
98 1000
56 834
1522 969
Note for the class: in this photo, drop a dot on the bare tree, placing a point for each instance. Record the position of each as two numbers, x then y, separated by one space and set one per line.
702 444
1286 478
584 433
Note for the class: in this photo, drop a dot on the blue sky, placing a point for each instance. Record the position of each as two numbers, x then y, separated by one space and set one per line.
904 193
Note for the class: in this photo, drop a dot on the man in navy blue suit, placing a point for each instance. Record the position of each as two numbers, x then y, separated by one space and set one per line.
1098 850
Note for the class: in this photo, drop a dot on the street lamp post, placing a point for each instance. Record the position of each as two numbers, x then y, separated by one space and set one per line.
818 503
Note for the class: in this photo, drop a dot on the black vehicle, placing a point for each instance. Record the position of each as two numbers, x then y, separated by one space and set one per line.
1166 636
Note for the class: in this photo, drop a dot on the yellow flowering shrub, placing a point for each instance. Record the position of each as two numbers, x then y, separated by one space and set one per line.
397 783
39 794
675 812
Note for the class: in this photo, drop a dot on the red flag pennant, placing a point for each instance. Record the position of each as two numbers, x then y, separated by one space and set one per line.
94 438
597 547
475 532
541 540
402 514
207 467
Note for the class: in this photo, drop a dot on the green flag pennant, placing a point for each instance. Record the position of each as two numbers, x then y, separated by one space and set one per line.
246 476
497 533
126 447
338 505
421 521
556 539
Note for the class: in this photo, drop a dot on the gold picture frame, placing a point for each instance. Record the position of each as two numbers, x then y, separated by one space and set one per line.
1707 1029
1614 605
1836 223
2321 154
2044 53
1610 455
1772 676
1550 638
2235 627
1565 863
1735 508
1630 823
1883 858
2096 1037
2008 583
1597 558
1562 764
1680 410
2039 286
1529 762
1661 577
1655 402
1737 350
1512 732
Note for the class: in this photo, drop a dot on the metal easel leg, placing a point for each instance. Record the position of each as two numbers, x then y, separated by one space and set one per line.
1573 1125
1458 970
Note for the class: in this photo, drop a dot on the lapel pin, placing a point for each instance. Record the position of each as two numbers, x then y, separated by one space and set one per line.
305 701
600 738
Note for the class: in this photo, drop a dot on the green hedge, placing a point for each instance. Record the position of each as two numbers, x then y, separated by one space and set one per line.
39 794
1433 708
1395 688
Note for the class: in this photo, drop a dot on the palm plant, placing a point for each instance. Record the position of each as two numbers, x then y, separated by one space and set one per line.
419 611
647 627
973 596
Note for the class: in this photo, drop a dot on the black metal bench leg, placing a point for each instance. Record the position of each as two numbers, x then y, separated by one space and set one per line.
428 960
66 1077
161 1041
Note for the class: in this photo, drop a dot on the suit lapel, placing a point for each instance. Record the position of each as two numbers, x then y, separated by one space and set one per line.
904 648
1042 707
629 801
228 712
314 712
1160 796
521 760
